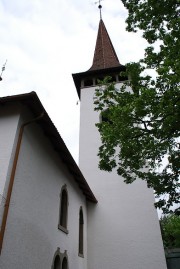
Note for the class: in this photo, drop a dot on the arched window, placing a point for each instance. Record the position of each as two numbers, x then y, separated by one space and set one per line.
63 215
81 235
57 263
60 260
104 117
64 263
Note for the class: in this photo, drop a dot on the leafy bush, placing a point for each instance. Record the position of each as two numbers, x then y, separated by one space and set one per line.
170 229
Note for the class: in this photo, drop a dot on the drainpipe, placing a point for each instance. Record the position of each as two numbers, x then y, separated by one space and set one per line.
11 181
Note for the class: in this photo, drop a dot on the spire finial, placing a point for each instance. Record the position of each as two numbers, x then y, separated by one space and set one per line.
100 7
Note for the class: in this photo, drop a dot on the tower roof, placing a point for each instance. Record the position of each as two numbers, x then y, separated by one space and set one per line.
105 61
104 55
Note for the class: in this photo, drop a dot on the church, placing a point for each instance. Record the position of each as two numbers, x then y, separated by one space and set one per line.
55 214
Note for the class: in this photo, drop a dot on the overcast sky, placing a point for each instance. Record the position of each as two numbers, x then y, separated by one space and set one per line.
45 41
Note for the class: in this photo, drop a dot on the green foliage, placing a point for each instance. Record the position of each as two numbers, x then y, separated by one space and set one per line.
142 137
170 229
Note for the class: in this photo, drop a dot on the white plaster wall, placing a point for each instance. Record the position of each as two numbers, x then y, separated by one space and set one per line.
31 236
9 119
123 228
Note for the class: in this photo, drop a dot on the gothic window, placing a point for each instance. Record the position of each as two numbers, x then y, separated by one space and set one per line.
63 215
57 263
60 260
81 235
64 263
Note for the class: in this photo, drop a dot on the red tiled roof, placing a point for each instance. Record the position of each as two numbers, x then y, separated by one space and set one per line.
104 55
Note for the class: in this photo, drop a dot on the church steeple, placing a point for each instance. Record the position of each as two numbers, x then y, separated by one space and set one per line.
105 62
104 55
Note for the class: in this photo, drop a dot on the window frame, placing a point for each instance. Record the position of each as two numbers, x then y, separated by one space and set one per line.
81 234
63 210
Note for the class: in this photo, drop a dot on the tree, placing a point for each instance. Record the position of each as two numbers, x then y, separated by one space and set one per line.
141 137
170 229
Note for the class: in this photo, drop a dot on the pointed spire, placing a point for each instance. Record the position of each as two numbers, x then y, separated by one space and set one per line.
104 55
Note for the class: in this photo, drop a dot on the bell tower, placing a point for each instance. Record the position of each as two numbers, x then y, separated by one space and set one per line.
123 228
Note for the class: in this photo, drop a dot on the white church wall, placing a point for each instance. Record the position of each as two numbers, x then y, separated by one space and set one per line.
123 228
9 119
32 235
